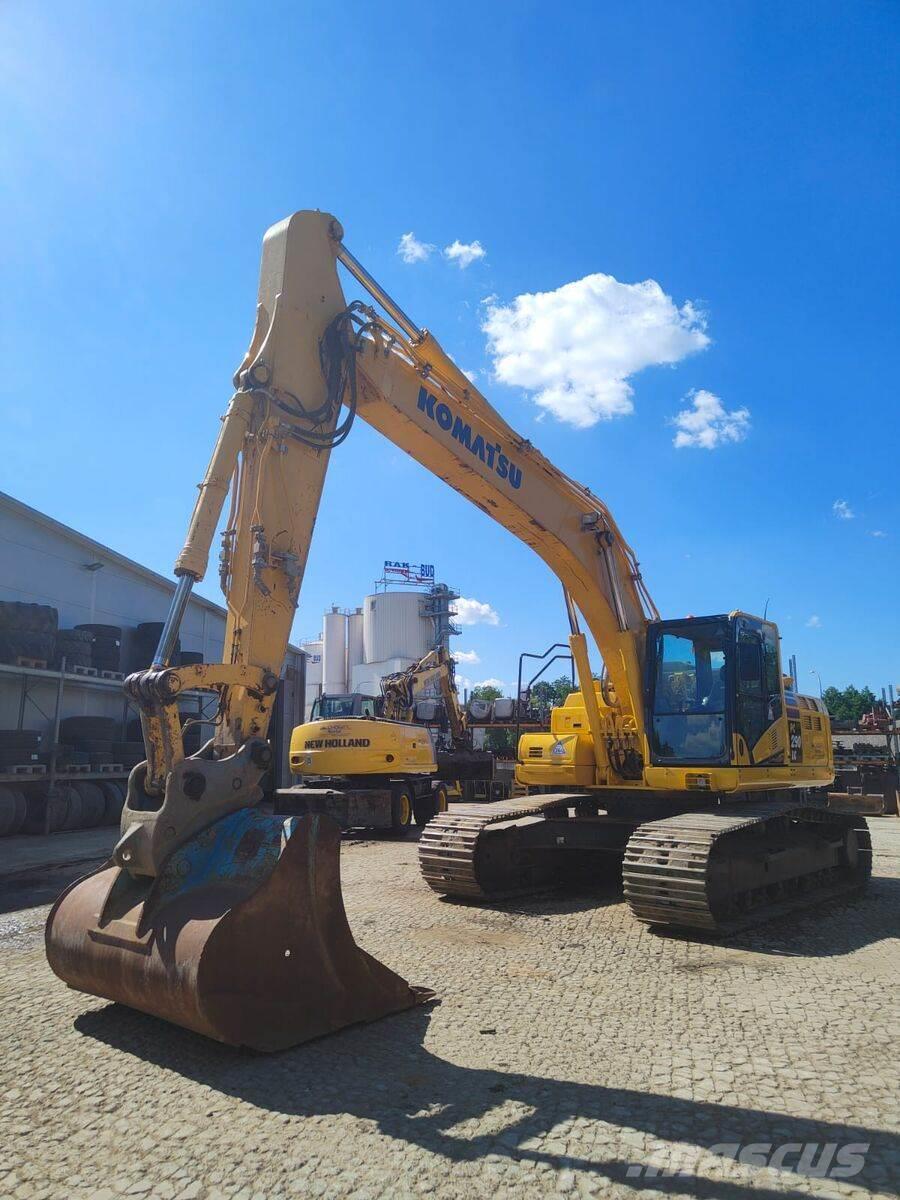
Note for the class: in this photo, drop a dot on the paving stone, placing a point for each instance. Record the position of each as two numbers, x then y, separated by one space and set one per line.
613 1046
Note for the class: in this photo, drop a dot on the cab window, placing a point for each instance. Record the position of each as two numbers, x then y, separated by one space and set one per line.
689 700
330 707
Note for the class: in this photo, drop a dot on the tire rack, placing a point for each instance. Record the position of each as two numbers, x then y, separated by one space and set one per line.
64 679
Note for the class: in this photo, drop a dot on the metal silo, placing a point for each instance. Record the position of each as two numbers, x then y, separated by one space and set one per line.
334 652
394 626
313 652
355 644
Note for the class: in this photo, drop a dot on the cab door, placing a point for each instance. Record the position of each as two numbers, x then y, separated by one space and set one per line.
751 717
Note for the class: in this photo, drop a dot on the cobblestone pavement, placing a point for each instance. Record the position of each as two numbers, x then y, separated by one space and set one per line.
571 1048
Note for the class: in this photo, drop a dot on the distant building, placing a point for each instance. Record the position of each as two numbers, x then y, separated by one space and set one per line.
43 561
389 632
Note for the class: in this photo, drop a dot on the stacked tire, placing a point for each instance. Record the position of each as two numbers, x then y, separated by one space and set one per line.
144 641
18 748
131 751
82 805
53 813
73 645
94 737
13 811
114 801
27 631
106 647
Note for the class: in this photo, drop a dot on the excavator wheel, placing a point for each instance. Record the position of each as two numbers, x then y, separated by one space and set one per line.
242 937
402 810
428 807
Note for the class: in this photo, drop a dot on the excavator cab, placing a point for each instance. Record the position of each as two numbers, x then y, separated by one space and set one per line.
716 697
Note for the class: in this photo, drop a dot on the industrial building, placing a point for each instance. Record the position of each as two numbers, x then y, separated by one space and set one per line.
390 631
43 561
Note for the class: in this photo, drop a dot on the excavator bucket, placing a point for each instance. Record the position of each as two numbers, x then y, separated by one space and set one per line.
242 937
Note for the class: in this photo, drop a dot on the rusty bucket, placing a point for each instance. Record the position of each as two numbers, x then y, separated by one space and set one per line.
243 936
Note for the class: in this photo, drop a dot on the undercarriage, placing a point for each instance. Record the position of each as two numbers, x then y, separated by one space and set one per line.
733 863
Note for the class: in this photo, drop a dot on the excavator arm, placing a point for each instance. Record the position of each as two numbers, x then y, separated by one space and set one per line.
400 691
271 456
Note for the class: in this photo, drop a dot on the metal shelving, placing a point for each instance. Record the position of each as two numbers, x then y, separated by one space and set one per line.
64 680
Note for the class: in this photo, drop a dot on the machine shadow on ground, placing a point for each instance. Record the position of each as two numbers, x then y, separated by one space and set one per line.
384 1074
33 888
840 926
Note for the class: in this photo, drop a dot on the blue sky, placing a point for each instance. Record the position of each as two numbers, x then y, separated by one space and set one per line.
742 156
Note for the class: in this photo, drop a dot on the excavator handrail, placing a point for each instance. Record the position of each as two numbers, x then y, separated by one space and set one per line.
539 657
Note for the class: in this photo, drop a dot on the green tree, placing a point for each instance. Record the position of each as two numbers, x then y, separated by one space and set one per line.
552 693
848 704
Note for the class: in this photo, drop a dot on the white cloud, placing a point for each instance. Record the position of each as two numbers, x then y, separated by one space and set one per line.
470 375
466 656
411 250
464 253
842 509
708 423
474 612
491 682
814 622
877 533
463 683
576 348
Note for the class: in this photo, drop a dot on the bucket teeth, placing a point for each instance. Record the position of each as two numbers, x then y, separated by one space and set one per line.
243 937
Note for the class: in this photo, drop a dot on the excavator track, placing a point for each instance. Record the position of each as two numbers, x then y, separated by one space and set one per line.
717 870
725 869
457 857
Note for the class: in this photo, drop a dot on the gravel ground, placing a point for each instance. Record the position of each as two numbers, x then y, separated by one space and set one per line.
572 1053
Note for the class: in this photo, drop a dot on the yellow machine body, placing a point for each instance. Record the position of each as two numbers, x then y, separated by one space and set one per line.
361 746
564 757
789 746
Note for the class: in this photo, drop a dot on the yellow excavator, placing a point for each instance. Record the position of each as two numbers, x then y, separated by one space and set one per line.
367 763
689 758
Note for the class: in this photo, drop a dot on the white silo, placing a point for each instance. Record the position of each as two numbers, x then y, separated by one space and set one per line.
334 652
313 651
355 644
394 627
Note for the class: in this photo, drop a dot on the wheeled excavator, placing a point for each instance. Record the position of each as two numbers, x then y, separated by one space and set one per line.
690 759
375 768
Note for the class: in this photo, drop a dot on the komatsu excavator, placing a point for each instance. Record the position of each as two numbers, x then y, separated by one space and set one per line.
690 756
